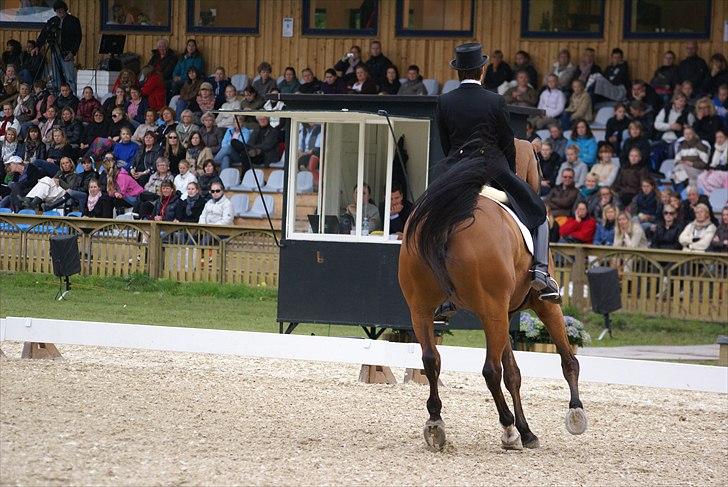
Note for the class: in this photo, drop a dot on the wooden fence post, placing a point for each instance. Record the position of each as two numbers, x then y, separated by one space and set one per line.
155 251
578 277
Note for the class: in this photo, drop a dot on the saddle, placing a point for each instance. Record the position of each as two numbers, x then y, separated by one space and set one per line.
501 198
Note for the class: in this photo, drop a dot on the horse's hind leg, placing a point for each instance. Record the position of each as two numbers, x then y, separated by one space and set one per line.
553 318
512 380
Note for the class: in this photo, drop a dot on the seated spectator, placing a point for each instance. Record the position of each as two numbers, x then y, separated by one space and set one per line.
205 100
522 62
219 83
693 67
165 208
667 232
96 134
193 204
691 159
579 107
21 177
606 227
264 83
605 170
670 120
716 175
97 204
145 160
413 85
262 147
616 125
550 162
718 74
43 99
126 149
189 91
605 197
34 148
232 102
72 127
628 233
552 101
152 190
228 154
186 175
10 147
686 212
554 235
332 85
136 107
707 122
370 216
562 197
391 84
58 147
153 88
208 176
645 205
119 100
557 140
10 85
638 113
587 66
77 194
582 137
363 84
251 101
186 127
24 110
348 64
218 210
531 134
563 69
51 121
150 118
8 121
698 234
497 72
66 98
212 135
310 84
636 140
174 152
31 62
86 105
642 92
665 77
688 89
580 228
163 61
629 179
13 52
126 80
197 153
399 211
289 83
191 59
720 239
118 122
574 163
612 84
120 186
378 63
720 102
589 193
168 125
48 190
522 94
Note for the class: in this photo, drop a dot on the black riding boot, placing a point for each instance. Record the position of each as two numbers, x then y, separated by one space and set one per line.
33 203
546 285
56 203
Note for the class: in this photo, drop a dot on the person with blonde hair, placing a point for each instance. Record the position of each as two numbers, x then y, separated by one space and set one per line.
628 233
698 234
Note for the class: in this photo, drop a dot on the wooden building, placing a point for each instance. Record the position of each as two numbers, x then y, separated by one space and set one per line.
495 23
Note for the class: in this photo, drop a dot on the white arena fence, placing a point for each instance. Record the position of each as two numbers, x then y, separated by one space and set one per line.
353 351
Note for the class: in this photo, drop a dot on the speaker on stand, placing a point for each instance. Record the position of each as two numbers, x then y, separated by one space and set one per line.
66 261
605 294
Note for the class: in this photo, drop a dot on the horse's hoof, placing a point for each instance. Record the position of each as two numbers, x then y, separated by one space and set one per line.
435 435
511 439
576 421
531 443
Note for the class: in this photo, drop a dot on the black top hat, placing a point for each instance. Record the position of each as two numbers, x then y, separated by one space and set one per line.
468 56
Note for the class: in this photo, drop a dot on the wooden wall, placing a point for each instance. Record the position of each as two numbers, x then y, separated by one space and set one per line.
497 26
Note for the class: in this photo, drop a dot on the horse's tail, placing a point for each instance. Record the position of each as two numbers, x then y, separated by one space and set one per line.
448 201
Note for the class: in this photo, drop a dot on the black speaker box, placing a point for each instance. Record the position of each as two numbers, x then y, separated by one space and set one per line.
65 256
604 289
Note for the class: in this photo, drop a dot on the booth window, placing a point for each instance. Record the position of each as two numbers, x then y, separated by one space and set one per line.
17 13
223 16
136 15
562 18
428 18
340 17
671 19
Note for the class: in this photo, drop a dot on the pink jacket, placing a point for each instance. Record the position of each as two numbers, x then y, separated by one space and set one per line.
127 185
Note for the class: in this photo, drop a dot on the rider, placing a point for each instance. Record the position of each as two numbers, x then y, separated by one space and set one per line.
472 119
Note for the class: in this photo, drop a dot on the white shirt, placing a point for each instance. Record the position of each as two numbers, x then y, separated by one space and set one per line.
182 180
218 212
553 101
473 81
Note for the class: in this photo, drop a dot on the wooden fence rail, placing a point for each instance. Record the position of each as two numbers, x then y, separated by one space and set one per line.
653 282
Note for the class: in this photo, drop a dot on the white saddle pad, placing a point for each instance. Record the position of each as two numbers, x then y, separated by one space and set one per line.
501 198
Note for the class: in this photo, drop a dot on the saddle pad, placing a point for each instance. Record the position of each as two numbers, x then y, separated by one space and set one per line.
501 198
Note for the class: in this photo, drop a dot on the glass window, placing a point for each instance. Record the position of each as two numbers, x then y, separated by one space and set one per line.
215 16
435 18
667 18
22 13
562 18
358 17
136 15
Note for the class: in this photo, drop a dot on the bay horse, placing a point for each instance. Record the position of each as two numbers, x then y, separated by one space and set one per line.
463 247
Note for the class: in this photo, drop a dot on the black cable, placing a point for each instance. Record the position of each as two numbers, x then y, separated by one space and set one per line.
385 114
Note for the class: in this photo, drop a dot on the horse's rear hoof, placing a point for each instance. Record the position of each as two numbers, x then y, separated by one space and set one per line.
511 439
576 421
435 435
532 444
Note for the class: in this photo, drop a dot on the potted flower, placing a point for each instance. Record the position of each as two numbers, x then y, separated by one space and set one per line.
532 335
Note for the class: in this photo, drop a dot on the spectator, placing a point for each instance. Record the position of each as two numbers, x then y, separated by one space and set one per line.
47 189
563 196
645 205
413 85
687 88
51 121
363 84
137 107
628 233
119 100
95 137
10 147
168 125
208 176
264 83
667 231
605 170
574 163
310 84
66 98
666 77
638 113
43 99
371 212
24 109
31 63
58 147
289 83
641 91
8 120
522 94
145 160
606 197
636 140
72 127
670 121
163 61
189 91
582 137
612 85
629 179
211 134
185 176
252 100
554 235
194 203
580 228
150 117
232 102
11 83
22 177
13 53
191 59
589 193
718 74
197 153
87 105
579 107
531 134
378 63
497 72
707 122
228 154
205 98
699 233
97 204
557 140
522 62
174 152
691 158
616 126
716 176
552 101
118 122
720 239
218 210
120 186
186 127
586 66
550 163
126 149
563 69
152 190
606 227
347 66
687 207
262 147
332 84
165 208
693 68
68 30
219 83
391 84
34 146
127 78
399 211
153 88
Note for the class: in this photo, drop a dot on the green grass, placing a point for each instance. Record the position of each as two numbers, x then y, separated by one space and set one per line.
139 299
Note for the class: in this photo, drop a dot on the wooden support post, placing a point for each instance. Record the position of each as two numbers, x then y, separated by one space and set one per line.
723 350
376 374
418 375
578 278
155 251
37 350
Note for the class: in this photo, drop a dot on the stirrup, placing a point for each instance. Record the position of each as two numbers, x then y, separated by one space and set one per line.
445 311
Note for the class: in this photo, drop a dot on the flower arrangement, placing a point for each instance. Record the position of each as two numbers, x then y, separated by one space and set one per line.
532 330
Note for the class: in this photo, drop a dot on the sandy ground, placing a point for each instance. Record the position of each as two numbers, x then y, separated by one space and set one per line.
116 417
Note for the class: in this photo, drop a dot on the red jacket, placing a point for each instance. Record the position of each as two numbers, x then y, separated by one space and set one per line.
153 89
580 231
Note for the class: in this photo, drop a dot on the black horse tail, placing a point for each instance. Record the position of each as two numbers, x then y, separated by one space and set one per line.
449 200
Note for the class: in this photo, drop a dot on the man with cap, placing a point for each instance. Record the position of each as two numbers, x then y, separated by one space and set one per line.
23 178
474 121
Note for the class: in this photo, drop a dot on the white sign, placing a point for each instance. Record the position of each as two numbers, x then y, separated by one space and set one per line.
287 26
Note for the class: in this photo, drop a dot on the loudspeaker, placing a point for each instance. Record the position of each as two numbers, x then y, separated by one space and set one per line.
65 256
604 289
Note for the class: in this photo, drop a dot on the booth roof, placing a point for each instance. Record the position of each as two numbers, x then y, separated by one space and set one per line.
342 116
